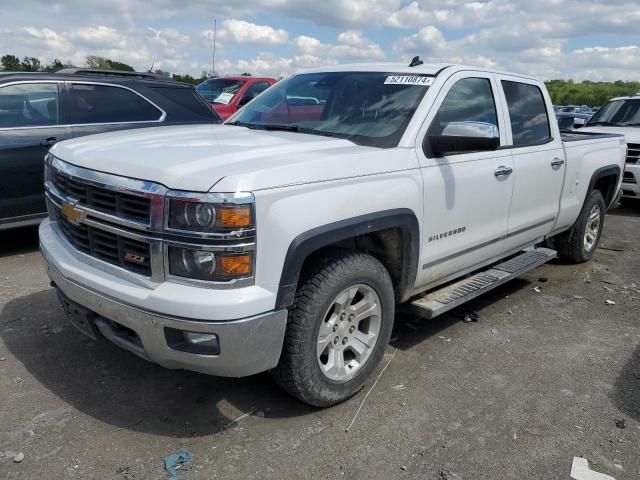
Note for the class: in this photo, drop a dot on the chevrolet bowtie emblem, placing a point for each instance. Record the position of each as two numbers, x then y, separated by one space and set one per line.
73 214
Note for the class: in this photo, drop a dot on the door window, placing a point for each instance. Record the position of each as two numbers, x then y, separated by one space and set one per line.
469 100
29 105
252 92
104 104
528 114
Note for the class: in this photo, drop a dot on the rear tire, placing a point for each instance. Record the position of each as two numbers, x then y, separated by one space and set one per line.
580 243
338 328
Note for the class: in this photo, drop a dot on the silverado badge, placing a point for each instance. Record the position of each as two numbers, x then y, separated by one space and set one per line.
73 214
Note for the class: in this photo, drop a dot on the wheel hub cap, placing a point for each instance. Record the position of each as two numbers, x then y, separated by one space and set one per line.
593 228
349 332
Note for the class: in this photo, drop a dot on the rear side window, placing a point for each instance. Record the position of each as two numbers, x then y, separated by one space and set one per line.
29 105
469 100
104 104
528 114
185 105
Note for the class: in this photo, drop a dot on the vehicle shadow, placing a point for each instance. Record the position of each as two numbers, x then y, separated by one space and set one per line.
626 390
626 209
19 240
120 389
411 329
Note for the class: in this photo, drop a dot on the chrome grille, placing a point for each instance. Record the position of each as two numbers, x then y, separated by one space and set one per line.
628 178
633 155
123 205
133 255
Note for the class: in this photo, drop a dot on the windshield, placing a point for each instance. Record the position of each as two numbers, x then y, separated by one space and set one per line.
618 113
219 90
368 108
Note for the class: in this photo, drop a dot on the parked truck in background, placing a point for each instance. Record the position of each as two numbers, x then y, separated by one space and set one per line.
622 116
284 239
228 94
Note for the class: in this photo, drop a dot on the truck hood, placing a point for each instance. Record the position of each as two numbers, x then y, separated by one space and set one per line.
632 134
195 158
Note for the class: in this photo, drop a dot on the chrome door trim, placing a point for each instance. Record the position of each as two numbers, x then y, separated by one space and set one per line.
161 119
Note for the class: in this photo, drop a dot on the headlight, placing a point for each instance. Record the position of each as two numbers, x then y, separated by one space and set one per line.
208 265
209 213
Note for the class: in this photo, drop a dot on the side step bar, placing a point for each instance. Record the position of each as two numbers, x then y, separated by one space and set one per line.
444 299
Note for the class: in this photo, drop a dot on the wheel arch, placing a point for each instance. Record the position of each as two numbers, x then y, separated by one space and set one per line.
307 243
605 179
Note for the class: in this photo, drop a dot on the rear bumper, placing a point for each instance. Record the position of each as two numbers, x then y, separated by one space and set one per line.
246 346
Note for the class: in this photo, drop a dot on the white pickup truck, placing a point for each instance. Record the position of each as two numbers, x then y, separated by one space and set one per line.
622 116
284 239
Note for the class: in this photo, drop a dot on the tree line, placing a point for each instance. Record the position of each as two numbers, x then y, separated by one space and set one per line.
563 92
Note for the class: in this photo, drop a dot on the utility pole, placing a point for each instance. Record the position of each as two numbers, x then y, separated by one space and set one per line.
213 56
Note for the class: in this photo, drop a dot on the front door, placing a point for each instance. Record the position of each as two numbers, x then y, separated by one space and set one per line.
29 126
467 195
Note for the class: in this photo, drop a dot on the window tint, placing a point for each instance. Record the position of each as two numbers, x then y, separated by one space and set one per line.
185 105
528 113
29 105
469 100
257 88
104 104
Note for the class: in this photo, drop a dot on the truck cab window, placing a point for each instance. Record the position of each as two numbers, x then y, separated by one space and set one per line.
29 105
469 100
528 114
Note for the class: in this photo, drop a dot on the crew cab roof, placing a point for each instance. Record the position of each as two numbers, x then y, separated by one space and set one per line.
424 69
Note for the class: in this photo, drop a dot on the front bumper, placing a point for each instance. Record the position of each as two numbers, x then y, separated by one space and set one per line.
246 346
631 182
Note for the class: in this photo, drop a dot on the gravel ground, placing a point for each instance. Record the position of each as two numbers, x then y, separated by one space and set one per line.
540 378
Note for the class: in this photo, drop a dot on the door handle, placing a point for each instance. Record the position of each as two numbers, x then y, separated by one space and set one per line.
503 171
48 142
557 163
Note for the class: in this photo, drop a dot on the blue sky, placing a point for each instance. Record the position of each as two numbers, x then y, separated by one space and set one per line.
547 38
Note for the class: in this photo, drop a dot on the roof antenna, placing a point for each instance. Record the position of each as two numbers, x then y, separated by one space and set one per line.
415 61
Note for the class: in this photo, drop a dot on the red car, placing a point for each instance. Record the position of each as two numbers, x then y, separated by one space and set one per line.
228 94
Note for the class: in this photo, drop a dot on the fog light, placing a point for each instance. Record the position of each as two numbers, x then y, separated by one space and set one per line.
192 342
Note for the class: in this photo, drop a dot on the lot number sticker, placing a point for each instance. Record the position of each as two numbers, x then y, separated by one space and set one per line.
408 80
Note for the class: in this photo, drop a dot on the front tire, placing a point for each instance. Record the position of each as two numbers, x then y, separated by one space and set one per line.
338 328
579 244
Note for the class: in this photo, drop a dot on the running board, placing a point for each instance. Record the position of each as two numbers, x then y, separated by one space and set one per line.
439 301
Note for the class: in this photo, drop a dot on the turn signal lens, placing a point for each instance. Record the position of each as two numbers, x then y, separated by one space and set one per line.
234 265
230 217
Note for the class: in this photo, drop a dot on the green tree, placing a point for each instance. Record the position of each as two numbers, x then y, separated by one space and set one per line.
101 63
30 64
10 63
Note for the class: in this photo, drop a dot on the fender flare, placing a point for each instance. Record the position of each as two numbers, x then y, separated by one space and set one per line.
609 170
312 240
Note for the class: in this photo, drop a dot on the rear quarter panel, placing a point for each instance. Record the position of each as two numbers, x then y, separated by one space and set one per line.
583 159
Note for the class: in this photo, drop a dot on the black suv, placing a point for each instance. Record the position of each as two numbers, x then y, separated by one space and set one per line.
39 109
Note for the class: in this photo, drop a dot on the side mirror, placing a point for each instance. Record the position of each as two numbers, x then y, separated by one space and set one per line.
464 137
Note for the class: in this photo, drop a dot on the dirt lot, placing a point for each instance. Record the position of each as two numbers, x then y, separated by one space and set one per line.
540 378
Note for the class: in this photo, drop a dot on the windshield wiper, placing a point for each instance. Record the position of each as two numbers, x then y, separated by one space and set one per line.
254 126
631 125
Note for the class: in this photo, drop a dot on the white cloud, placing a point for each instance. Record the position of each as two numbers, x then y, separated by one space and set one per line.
239 31
351 45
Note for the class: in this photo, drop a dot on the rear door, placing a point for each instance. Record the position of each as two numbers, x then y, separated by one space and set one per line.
538 160
466 198
29 125
98 108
